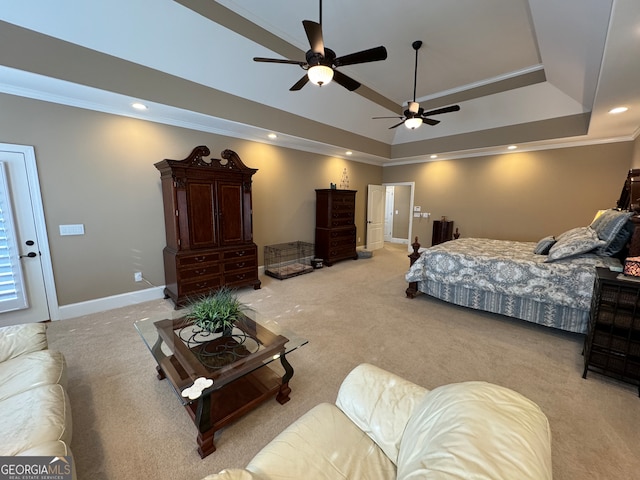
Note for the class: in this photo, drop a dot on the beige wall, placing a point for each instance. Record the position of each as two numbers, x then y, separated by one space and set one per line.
517 196
97 169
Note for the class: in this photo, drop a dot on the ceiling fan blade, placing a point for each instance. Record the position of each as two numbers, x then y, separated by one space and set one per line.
370 55
397 124
397 116
300 83
430 121
452 108
314 35
347 82
278 60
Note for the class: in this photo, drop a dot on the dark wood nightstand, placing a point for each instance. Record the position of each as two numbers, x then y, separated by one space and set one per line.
612 344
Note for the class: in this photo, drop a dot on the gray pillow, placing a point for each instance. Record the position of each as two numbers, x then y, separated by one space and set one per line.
574 242
610 227
544 244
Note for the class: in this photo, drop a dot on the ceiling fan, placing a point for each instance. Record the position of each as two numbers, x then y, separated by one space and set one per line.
414 116
321 62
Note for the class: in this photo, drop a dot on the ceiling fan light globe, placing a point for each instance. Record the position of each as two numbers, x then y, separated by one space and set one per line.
413 123
320 75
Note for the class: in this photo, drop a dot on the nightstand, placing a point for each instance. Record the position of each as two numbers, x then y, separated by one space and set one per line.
612 344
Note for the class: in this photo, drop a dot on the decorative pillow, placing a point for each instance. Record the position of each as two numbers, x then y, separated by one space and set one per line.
608 227
569 233
574 242
619 241
543 246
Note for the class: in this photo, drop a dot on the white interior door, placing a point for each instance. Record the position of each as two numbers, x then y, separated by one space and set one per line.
23 281
375 216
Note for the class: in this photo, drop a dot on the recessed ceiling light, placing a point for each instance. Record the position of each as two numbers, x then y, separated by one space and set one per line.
512 147
139 106
272 136
349 152
618 110
434 156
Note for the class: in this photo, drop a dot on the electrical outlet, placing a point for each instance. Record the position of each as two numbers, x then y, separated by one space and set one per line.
137 276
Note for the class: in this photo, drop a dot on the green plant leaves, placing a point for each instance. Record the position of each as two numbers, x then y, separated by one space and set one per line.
216 311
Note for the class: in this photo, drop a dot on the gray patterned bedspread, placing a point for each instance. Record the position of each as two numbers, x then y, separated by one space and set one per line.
510 268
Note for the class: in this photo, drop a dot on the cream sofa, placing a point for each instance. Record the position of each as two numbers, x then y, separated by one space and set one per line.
35 418
385 427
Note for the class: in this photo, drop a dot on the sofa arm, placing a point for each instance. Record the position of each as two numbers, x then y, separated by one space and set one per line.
380 404
17 340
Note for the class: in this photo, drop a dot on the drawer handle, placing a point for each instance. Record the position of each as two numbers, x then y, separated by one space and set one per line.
200 272
240 265
200 259
202 285
241 277
241 254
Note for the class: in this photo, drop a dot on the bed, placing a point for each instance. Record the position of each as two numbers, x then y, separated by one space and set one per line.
549 282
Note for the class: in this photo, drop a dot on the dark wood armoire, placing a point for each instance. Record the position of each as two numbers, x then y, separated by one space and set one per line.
208 223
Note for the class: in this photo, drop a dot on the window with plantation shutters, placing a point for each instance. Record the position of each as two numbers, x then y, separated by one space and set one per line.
12 292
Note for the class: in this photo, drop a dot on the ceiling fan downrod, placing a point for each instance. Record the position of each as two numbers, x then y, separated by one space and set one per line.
413 106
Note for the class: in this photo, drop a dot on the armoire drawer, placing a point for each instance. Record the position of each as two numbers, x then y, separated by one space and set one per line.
197 258
200 285
240 253
240 263
200 271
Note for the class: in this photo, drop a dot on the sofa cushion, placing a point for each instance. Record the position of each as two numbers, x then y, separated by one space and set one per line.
36 416
232 474
323 444
476 430
380 404
31 370
20 339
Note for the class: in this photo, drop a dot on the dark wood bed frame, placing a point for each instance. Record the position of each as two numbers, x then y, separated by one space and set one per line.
629 200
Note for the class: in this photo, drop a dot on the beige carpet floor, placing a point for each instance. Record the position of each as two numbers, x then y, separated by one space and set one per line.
129 425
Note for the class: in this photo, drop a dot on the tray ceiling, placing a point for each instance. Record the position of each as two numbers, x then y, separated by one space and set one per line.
537 73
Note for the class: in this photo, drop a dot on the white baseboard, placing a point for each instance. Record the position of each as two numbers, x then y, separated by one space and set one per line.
108 303
116 301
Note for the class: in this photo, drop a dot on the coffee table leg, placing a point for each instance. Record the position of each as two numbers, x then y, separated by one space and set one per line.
159 356
283 393
205 429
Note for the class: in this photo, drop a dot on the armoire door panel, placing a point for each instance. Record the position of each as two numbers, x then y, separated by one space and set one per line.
201 215
230 201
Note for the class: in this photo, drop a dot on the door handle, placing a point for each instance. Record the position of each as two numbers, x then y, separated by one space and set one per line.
30 255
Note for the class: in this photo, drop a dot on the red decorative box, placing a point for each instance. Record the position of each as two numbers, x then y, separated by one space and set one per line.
632 266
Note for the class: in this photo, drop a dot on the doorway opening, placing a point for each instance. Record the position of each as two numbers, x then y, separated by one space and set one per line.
398 216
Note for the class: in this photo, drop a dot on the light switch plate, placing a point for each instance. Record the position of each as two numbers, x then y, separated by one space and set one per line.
77 229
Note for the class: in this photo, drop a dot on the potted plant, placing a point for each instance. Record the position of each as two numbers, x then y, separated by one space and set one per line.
216 311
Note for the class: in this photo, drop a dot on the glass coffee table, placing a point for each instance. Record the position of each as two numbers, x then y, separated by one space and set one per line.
219 378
